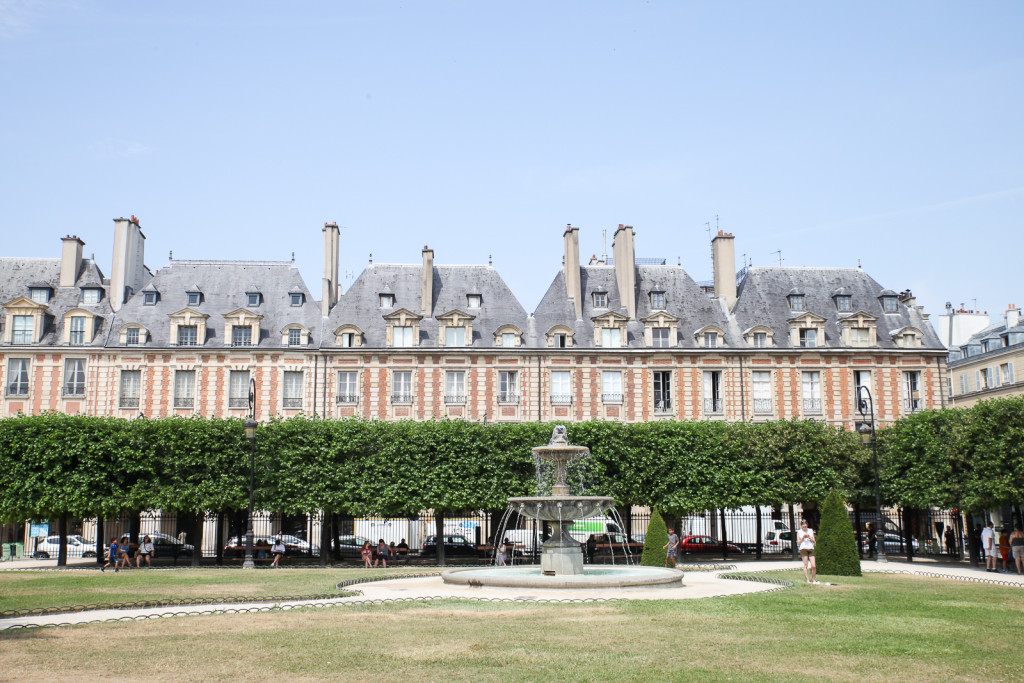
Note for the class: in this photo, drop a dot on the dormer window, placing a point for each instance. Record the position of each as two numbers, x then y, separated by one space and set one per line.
296 298
711 340
796 302
41 295
131 336
455 336
91 295
508 336
150 297
474 300
658 300
760 340
194 298
387 300
808 337
559 337
253 299
241 335
844 303
77 332
890 304
294 337
600 299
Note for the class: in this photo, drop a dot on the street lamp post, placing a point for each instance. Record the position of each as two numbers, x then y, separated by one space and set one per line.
250 434
866 408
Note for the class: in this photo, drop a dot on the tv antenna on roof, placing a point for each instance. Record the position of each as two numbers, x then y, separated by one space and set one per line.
779 252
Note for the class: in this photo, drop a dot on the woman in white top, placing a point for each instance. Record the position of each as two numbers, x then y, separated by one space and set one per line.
146 550
805 541
277 550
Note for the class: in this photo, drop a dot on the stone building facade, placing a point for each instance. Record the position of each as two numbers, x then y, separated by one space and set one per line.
620 338
989 363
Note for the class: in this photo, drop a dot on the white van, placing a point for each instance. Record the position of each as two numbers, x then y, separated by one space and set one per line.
581 529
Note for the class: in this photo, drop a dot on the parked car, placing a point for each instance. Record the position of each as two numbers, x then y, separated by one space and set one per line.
77 547
894 544
777 542
705 545
454 546
298 546
350 546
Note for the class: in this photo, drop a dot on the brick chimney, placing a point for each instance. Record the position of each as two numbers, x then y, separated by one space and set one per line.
331 288
1012 316
723 256
70 260
128 268
624 254
427 298
571 269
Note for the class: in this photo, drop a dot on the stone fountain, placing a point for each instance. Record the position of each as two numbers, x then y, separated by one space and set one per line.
561 562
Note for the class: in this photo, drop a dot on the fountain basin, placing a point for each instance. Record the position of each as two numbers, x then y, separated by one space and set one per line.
561 508
593 577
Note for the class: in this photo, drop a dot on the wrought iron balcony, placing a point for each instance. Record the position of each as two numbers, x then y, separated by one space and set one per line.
713 406
561 399
347 398
508 397
129 402
184 402
455 398
401 398
762 406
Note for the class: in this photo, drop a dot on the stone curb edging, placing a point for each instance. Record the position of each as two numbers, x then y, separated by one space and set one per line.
954 577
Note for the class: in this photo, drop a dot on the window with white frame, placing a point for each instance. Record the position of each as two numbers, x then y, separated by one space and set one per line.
131 336
188 335
890 304
560 341
74 377
658 300
760 340
713 392
149 298
508 386
660 337
22 329
17 377
252 299
508 339
662 381
762 383
611 386
844 303
401 336
811 391
91 295
861 378
796 302
473 300
912 390
77 334
988 379
711 340
600 299
241 335
1006 370
292 396
611 337
348 391
387 300
860 336
194 298
346 339
131 388
561 386
184 388
963 383
296 298
238 389
455 386
294 337
808 337
401 386
41 295
454 336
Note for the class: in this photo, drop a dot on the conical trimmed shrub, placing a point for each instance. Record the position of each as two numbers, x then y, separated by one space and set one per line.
836 549
654 542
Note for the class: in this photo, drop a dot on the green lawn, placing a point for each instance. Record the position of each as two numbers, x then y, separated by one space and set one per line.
881 627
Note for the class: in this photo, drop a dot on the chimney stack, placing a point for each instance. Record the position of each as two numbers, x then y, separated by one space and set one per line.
571 269
624 254
128 268
331 288
723 251
70 260
1012 316
428 282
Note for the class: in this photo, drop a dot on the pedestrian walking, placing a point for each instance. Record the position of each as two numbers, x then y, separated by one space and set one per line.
805 541
671 547
146 550
1004 547
872 540
112 554
988 546
950 541
1017 548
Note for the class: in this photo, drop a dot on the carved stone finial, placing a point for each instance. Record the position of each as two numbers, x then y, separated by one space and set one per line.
559 436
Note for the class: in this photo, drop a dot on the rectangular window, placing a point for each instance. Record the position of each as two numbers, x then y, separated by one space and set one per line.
611 386
508 386
859 336
149 298
295 298
294 337
844 303
292 389
17 377
473 300
912 391
194 298
188 335
600 299
348 391
660 338
963 384
561 341
387 300
861 378
401 389
811 389
40 295
455 386
74 377
762 392
713 392
561 386
77 335
1006 370
184 388
760 340
402 336
131 336
455 336
253 299
711 340
611 337
131 388
796 302
348 339
658 300
90 296
890 304
238 389
508 339
21 332
663 392
241 335
808 337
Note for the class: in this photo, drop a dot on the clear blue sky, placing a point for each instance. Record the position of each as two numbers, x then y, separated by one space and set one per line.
888 133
